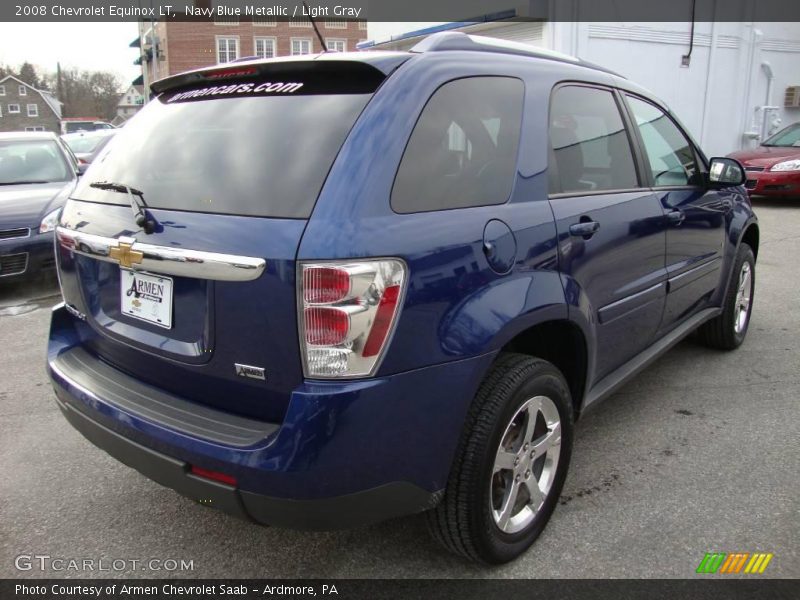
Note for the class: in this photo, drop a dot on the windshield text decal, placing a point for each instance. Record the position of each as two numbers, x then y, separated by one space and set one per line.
239 88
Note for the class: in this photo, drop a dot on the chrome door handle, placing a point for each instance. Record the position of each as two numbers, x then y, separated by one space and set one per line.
585 229
675 217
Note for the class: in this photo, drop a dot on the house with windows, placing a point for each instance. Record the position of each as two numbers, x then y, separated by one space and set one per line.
182 44
129 102
25 108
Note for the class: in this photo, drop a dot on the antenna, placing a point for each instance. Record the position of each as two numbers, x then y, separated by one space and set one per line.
314 25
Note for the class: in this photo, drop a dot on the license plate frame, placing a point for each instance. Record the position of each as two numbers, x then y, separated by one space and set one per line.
152 292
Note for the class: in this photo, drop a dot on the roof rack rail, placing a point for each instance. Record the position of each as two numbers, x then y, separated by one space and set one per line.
457 40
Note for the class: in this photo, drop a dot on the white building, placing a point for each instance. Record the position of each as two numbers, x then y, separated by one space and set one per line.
735 68
129 104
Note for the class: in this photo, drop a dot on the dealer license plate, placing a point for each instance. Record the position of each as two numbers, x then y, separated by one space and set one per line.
146 297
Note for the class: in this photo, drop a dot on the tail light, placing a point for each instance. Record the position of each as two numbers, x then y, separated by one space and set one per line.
347 313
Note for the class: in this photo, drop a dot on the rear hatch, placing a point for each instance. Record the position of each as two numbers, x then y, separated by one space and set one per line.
179 243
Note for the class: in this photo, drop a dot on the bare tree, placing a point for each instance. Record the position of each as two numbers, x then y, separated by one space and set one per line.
86 93
28 74
106 93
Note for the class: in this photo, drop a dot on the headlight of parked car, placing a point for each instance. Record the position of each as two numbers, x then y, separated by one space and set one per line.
787 165
50 221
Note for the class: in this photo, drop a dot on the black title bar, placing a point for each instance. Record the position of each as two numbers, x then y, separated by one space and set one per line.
700 588
406 10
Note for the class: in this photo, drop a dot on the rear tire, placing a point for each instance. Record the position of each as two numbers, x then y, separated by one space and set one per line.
728 330
494 508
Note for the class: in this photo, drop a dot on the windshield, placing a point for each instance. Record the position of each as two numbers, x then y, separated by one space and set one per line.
84 144
246 155
32 161
788 137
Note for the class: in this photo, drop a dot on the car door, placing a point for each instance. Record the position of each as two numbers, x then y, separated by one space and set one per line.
610 228
696 215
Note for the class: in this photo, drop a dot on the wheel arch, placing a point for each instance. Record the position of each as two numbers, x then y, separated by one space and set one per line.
751 236
563 343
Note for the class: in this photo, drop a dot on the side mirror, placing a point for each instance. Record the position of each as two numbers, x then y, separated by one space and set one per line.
725 172
82 169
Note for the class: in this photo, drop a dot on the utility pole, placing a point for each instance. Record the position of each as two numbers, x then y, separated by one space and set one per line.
155 42
60 89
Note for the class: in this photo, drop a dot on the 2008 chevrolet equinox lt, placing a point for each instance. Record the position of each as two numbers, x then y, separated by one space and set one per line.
323 291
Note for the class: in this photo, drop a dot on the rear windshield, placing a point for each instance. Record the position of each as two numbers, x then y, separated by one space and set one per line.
245 154
79 126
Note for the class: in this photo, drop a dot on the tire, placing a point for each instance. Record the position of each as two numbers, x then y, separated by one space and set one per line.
728 330
470 519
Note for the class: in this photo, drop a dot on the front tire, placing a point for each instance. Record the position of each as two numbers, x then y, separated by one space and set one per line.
728 330
511 464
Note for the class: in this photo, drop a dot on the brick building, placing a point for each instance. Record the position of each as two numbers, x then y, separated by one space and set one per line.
181 45
24 108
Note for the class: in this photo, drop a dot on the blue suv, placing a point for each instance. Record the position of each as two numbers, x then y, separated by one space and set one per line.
324 291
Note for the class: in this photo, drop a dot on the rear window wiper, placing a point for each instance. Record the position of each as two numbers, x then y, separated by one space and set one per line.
22 182
143 219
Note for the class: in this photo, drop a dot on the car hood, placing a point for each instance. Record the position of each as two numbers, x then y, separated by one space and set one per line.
765 156
25 205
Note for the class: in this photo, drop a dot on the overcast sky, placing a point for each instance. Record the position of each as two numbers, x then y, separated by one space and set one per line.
93 46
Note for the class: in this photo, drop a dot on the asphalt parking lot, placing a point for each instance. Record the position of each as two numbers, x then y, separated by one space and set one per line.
699 453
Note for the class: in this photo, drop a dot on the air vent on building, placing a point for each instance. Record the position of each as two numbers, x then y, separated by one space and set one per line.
792 98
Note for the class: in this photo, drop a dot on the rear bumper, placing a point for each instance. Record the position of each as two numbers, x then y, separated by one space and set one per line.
346 454
369 506
778 184
28 256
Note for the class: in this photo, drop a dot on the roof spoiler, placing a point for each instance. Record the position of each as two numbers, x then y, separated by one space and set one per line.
363 66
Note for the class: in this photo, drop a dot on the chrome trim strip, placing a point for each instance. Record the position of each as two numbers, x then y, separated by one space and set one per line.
180 262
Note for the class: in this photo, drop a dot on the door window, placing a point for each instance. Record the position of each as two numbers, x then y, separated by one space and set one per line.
670 155
591 149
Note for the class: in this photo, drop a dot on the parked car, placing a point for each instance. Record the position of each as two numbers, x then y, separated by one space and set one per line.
37 174
83 124
86 145
406 308
773 169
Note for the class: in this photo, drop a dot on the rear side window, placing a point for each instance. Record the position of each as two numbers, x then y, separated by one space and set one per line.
463 150
591 149
670 155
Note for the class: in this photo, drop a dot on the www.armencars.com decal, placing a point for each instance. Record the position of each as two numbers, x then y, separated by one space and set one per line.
266 87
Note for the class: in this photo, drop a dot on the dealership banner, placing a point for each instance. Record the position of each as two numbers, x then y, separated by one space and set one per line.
400 589
407 10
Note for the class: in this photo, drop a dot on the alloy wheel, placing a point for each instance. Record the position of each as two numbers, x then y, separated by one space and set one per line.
743 296
525 464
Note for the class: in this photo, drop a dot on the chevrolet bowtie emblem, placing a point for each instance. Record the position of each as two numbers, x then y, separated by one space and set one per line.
125 255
